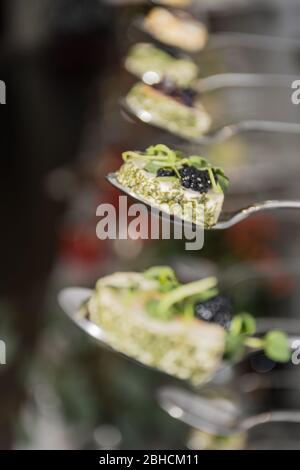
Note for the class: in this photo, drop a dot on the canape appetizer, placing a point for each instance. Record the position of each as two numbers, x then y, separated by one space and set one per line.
153 64
176 28
181 329
175 3
187 187
200 440
179 111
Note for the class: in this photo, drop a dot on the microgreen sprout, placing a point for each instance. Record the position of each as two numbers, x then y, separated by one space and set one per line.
160 156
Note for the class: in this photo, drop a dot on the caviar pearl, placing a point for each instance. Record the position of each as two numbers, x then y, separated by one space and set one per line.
216 310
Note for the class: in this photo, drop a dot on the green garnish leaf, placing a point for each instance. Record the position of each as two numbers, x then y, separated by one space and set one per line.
188 312
185 291
276 346
198 162
164 275
243 324
212 179
221 177
160 149
153 310
204 296
234 348
274 343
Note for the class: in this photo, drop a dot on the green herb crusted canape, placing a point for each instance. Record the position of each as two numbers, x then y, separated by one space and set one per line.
184 330
187 187
178 111
153 64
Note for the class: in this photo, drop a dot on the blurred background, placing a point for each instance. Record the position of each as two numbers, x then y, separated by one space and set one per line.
61 132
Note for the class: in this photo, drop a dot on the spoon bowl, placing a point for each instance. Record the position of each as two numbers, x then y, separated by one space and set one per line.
212 415
72 299
226 220
216 136
155 210
221 417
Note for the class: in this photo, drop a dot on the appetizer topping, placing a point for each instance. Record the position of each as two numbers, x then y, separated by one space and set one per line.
190 176
201 299
193 172
217 310
197 180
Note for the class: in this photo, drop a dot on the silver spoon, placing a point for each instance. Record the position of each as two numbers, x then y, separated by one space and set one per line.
220 135
252 41
225 80
230 219
216 416
226 220
71 300
237 80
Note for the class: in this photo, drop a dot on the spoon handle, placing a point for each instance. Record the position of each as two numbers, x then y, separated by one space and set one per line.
291 326
252 41
231 219
280 416
238 80
226 132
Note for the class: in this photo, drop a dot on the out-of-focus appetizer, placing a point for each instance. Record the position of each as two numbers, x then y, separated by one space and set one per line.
181 329
186 187
177 110
153 64
176 28
175 3
200 440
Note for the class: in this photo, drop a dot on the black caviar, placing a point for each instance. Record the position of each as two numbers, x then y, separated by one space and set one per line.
216 310
185 96
197 180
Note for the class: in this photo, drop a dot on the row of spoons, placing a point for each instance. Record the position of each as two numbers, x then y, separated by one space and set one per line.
265 82
214 416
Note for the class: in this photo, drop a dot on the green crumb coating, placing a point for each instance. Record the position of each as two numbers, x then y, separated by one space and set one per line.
144 58
175 199
188 349
163 111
